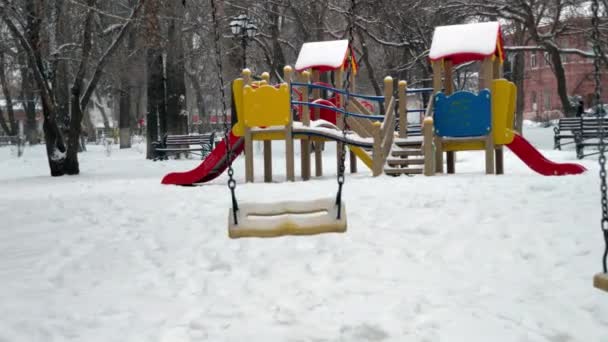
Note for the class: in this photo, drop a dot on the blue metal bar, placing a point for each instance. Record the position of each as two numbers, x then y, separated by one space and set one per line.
339 91
419 90
339 110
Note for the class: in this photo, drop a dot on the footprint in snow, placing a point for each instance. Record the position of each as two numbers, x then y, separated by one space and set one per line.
363 332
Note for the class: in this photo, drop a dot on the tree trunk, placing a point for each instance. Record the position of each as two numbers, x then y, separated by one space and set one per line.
3 124
560 77
102 110
368 65
61 82
12 124
278 58
125 113
518 79
28 96
156 92
200 100
155 81
519 66
71 163
177 120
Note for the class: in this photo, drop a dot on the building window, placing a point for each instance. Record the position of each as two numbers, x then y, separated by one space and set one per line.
533 60
547 98
533 100
546 60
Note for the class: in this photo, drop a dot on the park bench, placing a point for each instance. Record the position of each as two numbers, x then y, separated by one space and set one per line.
566 129
200 144
589 134
8 140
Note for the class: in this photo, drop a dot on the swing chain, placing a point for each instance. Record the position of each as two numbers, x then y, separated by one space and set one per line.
597 52
231 181
341 167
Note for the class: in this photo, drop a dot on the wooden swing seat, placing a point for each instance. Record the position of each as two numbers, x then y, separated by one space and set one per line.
600 281
266 220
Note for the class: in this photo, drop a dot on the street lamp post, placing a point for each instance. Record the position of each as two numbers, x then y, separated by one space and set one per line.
243 28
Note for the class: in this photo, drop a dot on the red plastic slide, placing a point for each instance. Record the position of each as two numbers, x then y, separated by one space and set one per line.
537 162
213 165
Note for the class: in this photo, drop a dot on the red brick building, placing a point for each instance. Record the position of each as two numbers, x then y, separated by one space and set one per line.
541 100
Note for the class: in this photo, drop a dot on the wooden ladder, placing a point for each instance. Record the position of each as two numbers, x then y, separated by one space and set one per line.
406 157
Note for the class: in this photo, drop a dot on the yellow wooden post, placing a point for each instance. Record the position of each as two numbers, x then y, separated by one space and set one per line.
497 68
448 81
485 76
388 90
600 281
498 152
377 150
289 153
266 77
403 109
485 82
305 117
437 86
429 154
339 103
437 75
316 93
448 84
249 173
246 76
267 143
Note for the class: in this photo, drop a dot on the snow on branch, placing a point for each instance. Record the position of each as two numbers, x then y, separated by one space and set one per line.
84 100
588 54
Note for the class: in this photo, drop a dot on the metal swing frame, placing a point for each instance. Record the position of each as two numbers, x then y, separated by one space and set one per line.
288 217
600 280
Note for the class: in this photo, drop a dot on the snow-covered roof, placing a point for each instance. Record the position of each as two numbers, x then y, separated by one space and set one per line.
324 56
467 42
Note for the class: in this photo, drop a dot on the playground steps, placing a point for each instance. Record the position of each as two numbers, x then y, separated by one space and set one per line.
405 158
405 162
399 152
392 171
415 141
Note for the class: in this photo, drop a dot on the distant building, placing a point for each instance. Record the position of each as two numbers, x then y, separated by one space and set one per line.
541 100
20 115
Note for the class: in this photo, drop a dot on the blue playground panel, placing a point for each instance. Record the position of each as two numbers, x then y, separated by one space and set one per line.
463 114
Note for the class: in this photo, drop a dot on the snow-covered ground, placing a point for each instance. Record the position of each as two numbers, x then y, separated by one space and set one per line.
113 255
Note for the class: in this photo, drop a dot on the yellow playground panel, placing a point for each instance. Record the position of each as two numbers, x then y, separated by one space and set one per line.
266 106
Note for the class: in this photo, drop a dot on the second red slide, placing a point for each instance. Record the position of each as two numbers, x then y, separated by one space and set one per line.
537 162
213 165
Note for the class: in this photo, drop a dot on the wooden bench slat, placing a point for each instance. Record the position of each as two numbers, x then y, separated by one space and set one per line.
203 143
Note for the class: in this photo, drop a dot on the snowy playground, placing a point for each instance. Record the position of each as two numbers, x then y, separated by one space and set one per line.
113 255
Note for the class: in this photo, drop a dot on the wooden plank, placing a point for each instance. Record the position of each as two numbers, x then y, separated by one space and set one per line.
403 125
499 154
448 80
359 107
377 151
489 149
268 161
353 162
360 126
248 155
450 162
497 69
485 77
316 93
437 75
600 281
289 154
438 154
